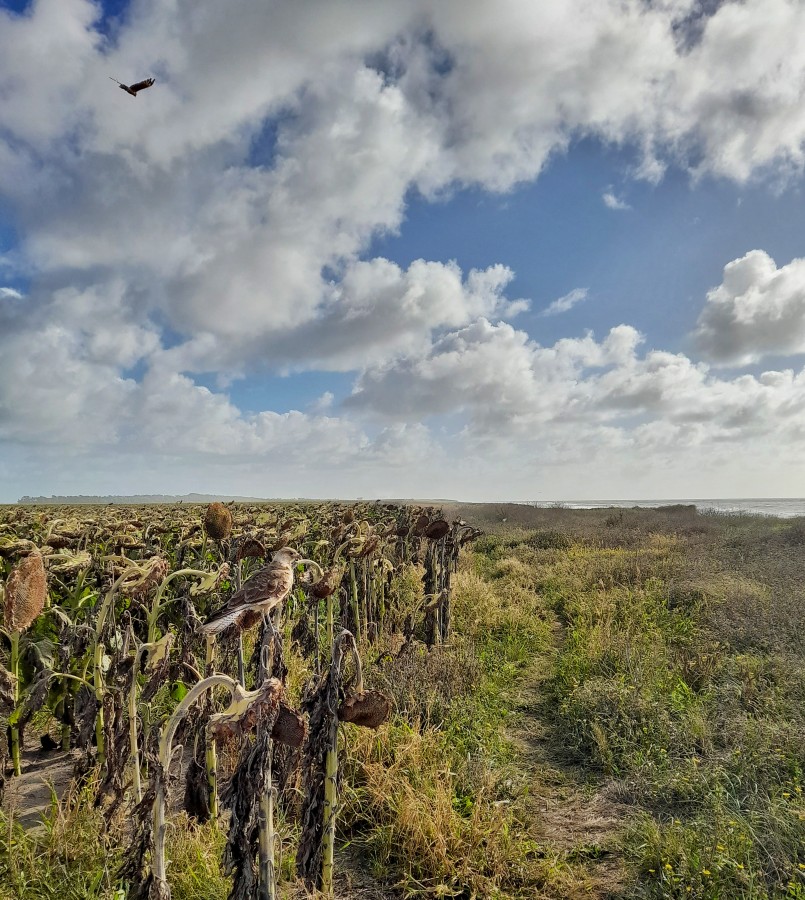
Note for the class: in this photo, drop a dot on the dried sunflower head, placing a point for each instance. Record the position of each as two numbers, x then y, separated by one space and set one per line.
290 727
218 521
26 592
247 709
369 709
153 572
250 546
437 529
328 583
421 524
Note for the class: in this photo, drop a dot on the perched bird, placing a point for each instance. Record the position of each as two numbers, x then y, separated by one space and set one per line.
261 593
133 88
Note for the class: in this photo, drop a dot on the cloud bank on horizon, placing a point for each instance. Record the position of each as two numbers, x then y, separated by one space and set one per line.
164 257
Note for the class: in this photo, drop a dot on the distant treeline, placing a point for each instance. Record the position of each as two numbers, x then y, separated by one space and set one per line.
134 499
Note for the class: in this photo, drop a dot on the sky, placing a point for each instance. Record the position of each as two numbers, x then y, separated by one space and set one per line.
403 248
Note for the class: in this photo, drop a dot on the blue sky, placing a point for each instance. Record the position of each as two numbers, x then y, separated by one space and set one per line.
424 249
650 265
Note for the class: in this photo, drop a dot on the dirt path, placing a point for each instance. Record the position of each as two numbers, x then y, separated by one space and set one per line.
44 775
566 808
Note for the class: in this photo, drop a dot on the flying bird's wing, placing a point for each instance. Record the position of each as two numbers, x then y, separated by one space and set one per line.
124 87
142 85
263 591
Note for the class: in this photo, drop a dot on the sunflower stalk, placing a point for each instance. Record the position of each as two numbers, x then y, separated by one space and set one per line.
211 754
65 728
159 648
267 881
15 673
157 606
165 753
241 662
267 889
330 617
331 764
98 654
353 589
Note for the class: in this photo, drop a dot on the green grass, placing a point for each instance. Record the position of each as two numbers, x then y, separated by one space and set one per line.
75 855
678 685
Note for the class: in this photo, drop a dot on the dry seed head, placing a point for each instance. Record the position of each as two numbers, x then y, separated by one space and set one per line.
65 561
26 592
437 529
369 709
218 521
290 728
468 533
421 524
10 546
328 583
140 584
369 546
247 709
250 546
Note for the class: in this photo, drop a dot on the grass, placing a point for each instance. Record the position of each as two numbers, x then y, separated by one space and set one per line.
655 688
677 686
75 854
431 799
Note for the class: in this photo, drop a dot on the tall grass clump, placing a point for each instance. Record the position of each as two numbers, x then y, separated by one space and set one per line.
428 797
423 811
75 855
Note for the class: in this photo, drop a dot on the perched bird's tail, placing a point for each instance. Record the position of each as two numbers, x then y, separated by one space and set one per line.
221 620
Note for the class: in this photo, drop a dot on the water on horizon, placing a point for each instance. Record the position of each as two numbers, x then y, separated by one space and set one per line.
784 507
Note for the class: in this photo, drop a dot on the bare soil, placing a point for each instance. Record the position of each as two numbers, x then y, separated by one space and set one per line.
45 776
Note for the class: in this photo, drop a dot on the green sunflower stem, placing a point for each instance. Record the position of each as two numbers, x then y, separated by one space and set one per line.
353 585
157 606
331 763
133 741
211 754
98 683
15 671
330 802
265 814
97 656
241 661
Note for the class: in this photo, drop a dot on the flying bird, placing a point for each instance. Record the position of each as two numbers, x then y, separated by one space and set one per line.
261 593
133 88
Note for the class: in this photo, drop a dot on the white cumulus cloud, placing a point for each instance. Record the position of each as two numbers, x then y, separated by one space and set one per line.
758 310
